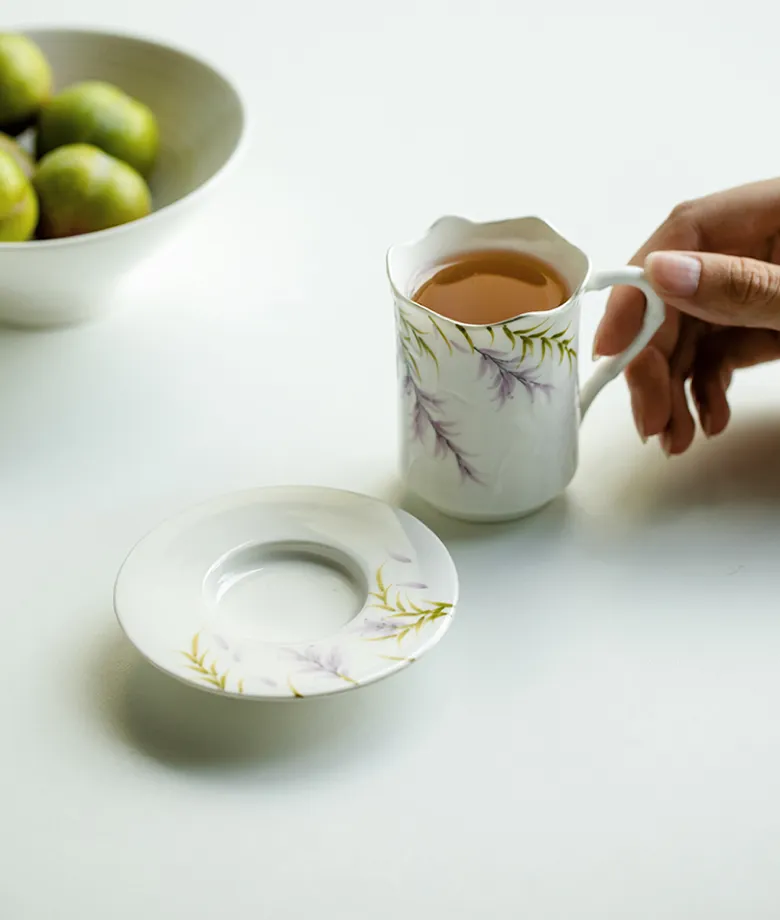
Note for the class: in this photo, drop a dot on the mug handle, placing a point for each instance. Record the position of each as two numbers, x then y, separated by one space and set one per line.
655 313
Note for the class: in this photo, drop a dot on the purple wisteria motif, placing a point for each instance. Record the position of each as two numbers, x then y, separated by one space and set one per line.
326 663
424 407
428 410
225 645
507 372
399 557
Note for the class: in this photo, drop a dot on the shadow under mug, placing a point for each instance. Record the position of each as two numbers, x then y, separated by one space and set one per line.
490 413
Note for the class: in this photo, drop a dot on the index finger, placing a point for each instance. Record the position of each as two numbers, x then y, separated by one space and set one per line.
622 319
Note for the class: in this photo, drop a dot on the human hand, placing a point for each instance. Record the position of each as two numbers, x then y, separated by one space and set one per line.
720 281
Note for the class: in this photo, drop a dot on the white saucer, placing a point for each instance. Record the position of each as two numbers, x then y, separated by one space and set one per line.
286 592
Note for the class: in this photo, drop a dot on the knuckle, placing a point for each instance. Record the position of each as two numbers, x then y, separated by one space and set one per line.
681 229
682 212
751 282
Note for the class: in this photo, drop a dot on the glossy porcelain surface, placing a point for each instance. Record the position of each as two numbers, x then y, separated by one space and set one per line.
490 413
202 121
287 593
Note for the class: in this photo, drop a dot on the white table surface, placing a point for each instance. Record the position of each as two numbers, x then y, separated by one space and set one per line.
597 737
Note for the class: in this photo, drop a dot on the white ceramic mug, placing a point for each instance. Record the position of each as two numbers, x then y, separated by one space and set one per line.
490 413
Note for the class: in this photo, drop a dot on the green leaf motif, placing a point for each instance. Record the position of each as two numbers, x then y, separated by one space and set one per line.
411 339
444 338
540 341
464 332
208 673
406 615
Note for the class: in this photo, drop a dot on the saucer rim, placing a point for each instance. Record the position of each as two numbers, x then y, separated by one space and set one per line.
245 496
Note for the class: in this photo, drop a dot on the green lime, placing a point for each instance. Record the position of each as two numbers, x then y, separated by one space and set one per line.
102 115
82 189
22 157
18 204
25 82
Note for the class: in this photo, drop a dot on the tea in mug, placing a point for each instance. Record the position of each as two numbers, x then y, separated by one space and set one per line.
490 286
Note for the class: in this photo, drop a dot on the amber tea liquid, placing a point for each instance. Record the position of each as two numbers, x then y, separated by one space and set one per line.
491 286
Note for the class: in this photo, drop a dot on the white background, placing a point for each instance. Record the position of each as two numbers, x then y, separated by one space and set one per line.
597 737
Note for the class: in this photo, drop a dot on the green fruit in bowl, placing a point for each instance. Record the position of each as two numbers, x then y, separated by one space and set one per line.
22 157
100 114
81 189
18 204
25 82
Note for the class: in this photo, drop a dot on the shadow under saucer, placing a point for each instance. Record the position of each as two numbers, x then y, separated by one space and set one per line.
192 730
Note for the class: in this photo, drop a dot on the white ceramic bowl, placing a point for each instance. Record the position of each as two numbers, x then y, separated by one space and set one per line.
201 119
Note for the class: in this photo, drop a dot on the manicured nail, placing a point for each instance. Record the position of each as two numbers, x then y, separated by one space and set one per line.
673 273
666 443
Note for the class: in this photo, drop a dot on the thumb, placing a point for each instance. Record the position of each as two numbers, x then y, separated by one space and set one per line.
727 290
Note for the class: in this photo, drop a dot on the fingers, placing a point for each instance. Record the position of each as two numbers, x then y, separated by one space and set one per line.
622 319
681 428
656 380
649 384
718 356
709 387
736 220
739 219
726 290
621 322
679 434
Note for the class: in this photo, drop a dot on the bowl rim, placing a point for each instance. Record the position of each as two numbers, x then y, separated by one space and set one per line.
197 58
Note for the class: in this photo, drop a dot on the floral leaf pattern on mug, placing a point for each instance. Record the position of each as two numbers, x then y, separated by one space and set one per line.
207 671
464 332
428 410
402 614
558 344
507 371
413 339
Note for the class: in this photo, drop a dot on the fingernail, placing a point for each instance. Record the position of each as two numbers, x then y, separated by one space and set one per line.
675 274
666 443
706 423
596 352
639 421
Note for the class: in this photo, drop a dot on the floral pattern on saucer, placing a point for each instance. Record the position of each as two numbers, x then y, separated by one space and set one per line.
169 601
404 613
206 669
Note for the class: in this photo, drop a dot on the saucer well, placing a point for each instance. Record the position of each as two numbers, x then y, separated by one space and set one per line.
286 592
